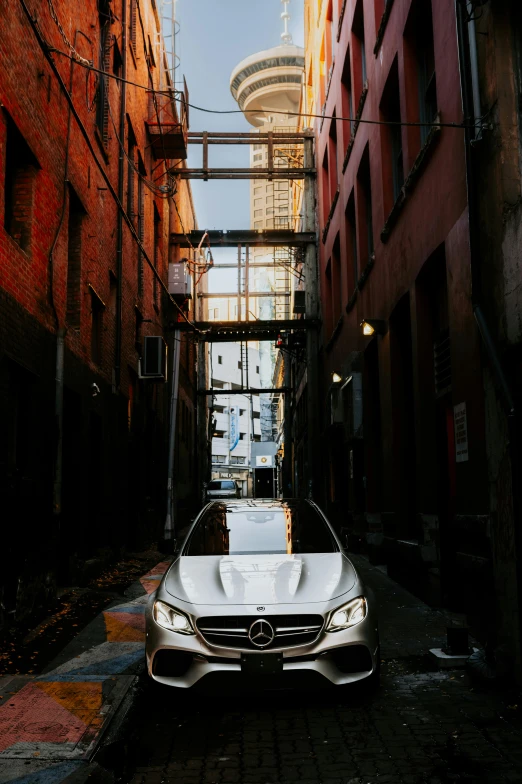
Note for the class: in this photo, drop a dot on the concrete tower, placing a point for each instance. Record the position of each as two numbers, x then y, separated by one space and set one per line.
267 87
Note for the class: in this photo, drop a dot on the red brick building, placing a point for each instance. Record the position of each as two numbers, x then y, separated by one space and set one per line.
83 461
404 430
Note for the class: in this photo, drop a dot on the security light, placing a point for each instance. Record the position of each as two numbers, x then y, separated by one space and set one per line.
374 326
336 378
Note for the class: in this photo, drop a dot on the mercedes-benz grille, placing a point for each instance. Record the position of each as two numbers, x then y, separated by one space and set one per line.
233 631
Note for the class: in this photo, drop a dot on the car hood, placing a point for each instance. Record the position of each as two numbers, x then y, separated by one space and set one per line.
260 579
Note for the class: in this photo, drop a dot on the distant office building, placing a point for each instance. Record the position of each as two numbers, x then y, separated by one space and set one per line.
236 416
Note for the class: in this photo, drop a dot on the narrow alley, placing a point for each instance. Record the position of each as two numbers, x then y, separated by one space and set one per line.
260 391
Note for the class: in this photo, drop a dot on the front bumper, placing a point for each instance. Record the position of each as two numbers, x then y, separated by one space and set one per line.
336 658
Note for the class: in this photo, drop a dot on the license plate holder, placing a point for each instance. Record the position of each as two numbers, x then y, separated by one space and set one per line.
262 663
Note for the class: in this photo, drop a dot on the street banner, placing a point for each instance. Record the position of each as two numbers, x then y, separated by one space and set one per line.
234 427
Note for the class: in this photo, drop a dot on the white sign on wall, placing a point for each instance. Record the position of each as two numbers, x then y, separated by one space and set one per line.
264 461
461 433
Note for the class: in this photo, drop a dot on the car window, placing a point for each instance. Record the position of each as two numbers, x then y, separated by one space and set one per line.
228 485
214 485
289 527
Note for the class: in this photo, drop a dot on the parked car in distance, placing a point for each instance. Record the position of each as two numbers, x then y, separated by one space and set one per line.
262 590
223 488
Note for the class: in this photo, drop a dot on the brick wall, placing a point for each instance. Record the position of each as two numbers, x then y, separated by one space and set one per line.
114 469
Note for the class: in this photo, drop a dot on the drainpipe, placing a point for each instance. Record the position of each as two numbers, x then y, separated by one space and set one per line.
169 530
121 192
471 106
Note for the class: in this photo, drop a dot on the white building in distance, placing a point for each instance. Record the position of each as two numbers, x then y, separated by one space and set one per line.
236 416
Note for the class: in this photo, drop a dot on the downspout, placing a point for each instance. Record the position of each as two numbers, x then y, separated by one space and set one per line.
121 193
169 530
471 106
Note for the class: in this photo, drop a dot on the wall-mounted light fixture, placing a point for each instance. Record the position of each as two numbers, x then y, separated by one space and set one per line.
374 327
336 378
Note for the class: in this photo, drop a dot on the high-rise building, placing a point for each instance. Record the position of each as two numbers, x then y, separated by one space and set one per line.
267 87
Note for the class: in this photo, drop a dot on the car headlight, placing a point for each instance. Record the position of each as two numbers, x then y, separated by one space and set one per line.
349 614
172 619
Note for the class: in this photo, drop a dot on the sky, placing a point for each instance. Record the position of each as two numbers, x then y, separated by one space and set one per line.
214 36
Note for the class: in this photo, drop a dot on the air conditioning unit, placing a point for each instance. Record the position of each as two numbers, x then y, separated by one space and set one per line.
180 280
153 363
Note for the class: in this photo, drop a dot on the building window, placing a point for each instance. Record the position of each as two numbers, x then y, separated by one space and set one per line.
391 135
347 100
97 308
420 68
138 326
104 60
240 364
326 187
19 425
426 70
74 259
351 245
157 255
257 369
133 26
220 360
116 62
328 299
141 222
359 45
131 171
332 156
329 39
113 293
337 293
365 211
19 187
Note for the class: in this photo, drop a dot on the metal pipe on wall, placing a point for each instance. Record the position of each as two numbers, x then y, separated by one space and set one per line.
121 192
170 528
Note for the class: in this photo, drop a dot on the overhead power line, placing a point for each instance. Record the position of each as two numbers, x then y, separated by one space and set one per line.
89 66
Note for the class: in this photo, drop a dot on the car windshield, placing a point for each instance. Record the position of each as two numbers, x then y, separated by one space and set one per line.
288 527
216 485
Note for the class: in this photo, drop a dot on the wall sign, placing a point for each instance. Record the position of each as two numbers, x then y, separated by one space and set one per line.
461 433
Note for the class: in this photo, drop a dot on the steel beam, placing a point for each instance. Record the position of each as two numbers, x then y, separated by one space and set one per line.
242 174
247 391
239 294
198 137
246 331
230 239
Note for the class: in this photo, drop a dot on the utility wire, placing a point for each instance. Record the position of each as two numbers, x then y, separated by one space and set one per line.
47 54
461 125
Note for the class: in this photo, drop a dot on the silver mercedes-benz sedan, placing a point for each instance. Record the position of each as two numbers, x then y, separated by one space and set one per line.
262 588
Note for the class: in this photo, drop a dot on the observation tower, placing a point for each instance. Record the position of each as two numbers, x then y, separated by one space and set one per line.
268 84
267 87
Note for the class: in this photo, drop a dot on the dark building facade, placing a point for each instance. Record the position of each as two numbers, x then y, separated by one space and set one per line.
83 438
415 433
